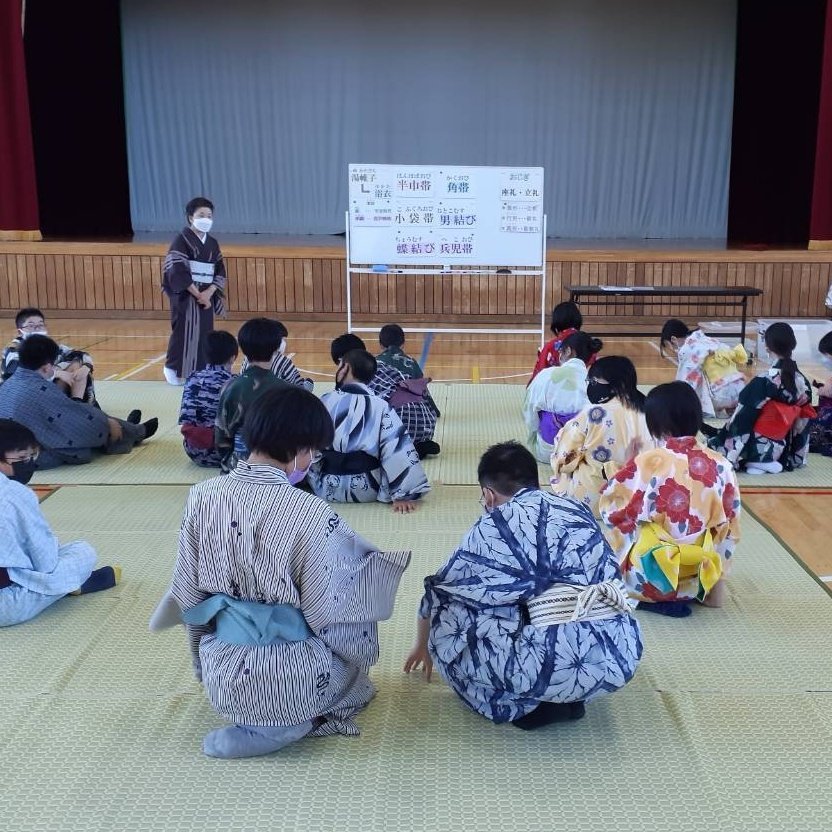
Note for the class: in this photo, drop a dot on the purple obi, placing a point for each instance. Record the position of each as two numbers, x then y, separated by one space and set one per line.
551 423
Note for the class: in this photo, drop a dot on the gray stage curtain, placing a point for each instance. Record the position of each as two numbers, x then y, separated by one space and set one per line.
261 105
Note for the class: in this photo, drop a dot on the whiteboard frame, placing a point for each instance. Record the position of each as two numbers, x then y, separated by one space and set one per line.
522 271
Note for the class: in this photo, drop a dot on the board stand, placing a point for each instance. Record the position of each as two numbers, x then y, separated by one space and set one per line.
446 270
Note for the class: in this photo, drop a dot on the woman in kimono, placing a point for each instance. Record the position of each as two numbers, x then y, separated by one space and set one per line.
769 431
371 457
279 595
557 394
596 443
35 570
707 365
194 280
528 619
566 321
820 431
673 510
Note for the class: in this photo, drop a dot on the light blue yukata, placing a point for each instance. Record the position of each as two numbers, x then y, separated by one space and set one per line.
39 569
481 636
372 456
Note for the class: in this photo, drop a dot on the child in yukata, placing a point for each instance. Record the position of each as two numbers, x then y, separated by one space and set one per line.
35 570
280 596
405 396
391 337
201 399
673 511
710 367
769 431
591 448
73 369
260 340
557 394
528 619
371 457
566 321
820 430
283 365
69 432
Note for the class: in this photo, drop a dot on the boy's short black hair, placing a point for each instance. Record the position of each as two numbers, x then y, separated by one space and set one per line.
507 468
36 351
673 328
673 409
15 437
362 363
286 420
260 338
28 312
825 344
196 203
566 315
220 346
391 335
343 344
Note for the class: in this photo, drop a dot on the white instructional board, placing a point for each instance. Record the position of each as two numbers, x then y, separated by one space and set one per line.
456 216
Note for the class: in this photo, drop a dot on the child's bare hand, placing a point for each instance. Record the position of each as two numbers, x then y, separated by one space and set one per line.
405 506
419 659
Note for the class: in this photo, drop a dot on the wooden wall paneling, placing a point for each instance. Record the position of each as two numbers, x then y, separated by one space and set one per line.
25 296
289 284
109 285
118 283
317 286
5 303
269 279
88 278
308 293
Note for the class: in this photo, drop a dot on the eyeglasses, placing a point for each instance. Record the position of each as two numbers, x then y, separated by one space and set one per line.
33 327
21 457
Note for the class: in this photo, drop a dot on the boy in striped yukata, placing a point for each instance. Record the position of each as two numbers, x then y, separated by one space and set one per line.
35 570
279 595
412 404
201 399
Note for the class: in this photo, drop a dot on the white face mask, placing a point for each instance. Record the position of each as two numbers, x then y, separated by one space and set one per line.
826 360
25 334
282 348
203 224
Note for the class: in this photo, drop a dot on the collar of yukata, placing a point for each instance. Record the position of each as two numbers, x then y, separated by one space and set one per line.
680 443
259 472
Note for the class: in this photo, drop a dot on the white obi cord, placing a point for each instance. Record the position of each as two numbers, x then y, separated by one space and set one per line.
564 603
202 273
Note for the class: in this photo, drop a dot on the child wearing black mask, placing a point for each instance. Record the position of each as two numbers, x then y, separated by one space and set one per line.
600 439
35 571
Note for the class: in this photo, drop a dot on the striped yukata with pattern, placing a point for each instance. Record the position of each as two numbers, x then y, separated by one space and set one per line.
253 536
418 418
284 368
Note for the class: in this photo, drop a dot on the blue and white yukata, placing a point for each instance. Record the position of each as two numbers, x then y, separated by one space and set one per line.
35 570
198 413
372 457
482 607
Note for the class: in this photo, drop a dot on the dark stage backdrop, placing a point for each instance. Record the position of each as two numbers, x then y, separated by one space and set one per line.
73 62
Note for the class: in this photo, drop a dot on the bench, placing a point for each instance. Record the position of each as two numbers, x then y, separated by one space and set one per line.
734 297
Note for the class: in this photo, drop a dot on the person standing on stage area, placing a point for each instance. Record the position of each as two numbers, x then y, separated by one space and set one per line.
194 280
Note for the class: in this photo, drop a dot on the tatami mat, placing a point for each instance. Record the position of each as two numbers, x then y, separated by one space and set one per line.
725 720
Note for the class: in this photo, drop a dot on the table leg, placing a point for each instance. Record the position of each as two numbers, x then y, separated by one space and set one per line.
744 314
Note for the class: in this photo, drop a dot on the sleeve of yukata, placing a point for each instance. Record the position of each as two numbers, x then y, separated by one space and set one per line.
10 360
570 447
28 542
622 505
69 354
226 426
177 266
284 368
185 584
399 460
190 394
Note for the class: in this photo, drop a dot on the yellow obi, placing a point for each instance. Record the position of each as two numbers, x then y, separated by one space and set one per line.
663 561
724 363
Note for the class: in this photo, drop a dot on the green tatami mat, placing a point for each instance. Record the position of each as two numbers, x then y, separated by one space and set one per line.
727 724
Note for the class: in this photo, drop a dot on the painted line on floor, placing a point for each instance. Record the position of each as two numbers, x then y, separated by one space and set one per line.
475 375
826 578
139 368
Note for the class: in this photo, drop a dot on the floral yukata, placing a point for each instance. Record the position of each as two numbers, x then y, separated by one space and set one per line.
820 431
745 439
710 368
592 447
481 638
673 514
555 396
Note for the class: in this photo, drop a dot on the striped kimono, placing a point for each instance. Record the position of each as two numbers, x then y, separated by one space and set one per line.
190 261
284 368
366 425
252 536
35 570
418 417
554 397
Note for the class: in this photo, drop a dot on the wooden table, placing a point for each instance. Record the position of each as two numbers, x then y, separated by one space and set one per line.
734 297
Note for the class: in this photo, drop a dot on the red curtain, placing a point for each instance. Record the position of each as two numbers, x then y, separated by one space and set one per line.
821 224
18 186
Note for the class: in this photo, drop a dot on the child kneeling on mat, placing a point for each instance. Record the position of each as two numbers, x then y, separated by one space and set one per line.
35 570
528 619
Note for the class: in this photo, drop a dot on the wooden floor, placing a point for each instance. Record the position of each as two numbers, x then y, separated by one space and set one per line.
135 349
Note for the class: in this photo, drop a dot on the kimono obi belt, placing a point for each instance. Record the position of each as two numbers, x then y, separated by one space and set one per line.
198 436
202 273
723 363
565 603
248 622
663 560
353 462
550 424
776 418
409 391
